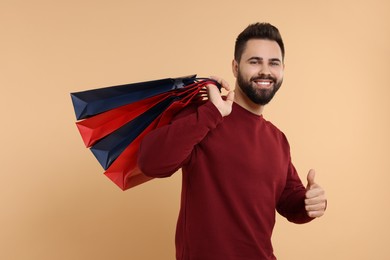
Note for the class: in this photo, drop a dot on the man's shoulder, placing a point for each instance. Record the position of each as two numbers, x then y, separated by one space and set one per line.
275 130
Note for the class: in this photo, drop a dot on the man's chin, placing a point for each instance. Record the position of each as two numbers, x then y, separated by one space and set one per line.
262 97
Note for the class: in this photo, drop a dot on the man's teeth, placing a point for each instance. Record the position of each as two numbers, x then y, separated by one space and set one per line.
263 82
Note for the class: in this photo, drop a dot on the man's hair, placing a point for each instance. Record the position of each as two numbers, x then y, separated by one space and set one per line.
264 31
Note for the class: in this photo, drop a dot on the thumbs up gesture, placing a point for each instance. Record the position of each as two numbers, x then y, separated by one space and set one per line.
315 202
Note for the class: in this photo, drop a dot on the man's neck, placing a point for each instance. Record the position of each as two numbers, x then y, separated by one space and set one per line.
241 99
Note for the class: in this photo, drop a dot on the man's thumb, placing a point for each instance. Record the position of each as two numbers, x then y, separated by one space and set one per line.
310 178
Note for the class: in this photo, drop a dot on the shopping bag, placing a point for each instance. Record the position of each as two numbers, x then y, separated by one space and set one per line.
116 119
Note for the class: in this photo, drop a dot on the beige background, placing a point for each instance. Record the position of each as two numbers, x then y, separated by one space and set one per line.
334 107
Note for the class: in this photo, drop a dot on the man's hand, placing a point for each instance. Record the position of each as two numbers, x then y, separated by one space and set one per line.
224 106
315 202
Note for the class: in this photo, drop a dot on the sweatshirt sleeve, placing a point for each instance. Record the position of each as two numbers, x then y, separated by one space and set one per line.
291 203
165 150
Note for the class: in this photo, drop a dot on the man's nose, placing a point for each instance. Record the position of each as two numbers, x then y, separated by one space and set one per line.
264 70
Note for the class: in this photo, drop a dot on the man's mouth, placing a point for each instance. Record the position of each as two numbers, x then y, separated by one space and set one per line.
263 83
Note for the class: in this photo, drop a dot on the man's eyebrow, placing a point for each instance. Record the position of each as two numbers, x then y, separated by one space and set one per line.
255 58
275 59
260 59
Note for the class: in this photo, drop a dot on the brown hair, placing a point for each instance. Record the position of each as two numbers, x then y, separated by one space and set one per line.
257 31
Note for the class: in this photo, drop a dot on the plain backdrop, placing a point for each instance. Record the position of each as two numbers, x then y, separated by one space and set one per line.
55 203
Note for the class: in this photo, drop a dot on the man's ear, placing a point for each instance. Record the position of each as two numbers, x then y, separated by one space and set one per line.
235 68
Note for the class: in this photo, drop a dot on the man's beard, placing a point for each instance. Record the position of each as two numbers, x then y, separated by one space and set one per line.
256 95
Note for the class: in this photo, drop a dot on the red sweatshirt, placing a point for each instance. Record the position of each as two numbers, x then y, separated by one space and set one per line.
236 171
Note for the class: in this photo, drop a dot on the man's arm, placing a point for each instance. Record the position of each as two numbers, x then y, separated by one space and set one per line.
164 150
291 203
299 204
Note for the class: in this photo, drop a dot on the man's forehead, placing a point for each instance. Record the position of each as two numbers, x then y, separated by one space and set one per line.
262 48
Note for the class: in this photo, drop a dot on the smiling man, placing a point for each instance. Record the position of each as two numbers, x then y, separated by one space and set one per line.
237 168
261 62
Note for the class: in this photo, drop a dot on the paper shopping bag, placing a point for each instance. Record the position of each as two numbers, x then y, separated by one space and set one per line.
113 128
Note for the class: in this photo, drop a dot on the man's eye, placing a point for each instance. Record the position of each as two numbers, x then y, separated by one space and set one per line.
253 62
274 63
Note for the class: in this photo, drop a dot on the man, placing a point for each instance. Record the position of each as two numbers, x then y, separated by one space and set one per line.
236 165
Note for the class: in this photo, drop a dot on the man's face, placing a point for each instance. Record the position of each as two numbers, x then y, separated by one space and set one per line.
260 71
